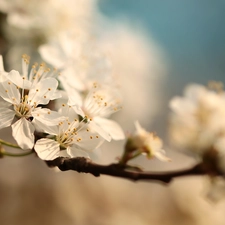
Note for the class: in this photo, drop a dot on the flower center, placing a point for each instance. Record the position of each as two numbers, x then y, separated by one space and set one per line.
66 139
23 110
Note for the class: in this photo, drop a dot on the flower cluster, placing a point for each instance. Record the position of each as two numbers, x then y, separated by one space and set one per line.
66 112
197 124
78 126
143 142
198 119
80 123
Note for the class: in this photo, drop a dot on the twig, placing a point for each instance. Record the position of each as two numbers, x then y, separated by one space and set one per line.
84 165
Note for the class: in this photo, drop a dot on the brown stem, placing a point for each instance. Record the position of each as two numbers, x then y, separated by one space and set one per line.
84 165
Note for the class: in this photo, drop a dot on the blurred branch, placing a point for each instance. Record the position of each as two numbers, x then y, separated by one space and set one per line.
84 165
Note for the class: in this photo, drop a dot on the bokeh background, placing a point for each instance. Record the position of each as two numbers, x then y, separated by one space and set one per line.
190 33
181 42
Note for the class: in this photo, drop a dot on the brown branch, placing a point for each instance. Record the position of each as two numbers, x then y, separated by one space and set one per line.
84 165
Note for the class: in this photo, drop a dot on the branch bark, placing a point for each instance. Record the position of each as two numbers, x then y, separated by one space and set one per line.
84 165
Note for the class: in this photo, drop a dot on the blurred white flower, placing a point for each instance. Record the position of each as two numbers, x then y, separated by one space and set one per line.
80 60
197 124
48 16
147 143
36 22
97 56
25 107
71 138
198 119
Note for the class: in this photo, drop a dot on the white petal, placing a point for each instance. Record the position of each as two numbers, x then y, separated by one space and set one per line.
79 110
47 117
43 91
47 149
4 104
89 140
69 74
161 156
47 51
53 130
111 127
94 126
9 92
3 76
15 77
23 132
57 94
138 127
66 41
6 117
74 97
22 20
63 153
1 64
75 152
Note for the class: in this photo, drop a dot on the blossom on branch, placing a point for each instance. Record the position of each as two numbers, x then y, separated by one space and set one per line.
69 138
100 102
24 105
143 142
198 125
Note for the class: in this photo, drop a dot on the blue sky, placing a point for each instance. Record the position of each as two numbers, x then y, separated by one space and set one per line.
192 33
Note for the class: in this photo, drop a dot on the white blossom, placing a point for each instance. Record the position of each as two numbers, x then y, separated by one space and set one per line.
100 103
49 15
80 60
198 119
70 138
147 142
25 107
30 77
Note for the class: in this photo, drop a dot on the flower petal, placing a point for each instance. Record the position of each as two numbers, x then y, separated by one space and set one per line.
111 127
161 156
47 117
47 149
139 129
40 127
23 132
63 153
47 51
1 64
78 110
75 152
15 77
68 74
6 117
43 91
57 94
89 140
74 97
9 92
94 126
